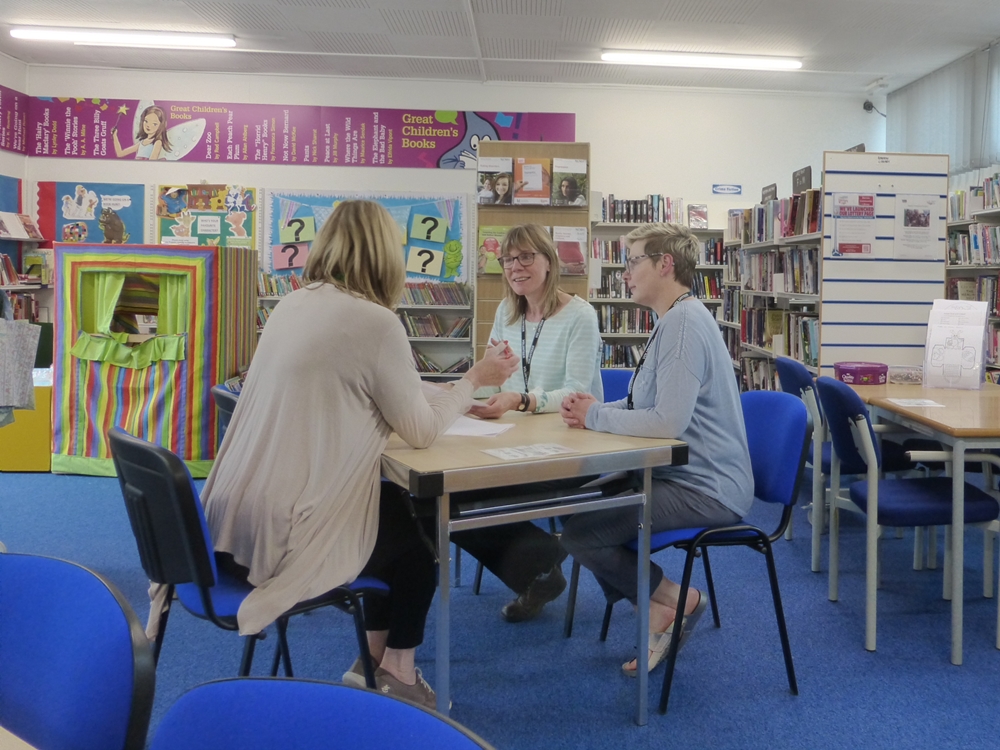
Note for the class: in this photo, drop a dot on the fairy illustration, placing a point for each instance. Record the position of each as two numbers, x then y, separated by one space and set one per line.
151 140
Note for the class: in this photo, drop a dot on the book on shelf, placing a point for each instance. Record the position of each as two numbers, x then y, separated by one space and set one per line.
495 180
963 203
490 240
8 274
569 182
428 293
571 246
14 226
30 227
37 265
532 181
652 208
698 215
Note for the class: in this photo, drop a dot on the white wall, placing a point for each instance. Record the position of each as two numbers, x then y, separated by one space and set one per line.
674 142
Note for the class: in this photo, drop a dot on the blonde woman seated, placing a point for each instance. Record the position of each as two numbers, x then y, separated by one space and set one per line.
559 344
295 495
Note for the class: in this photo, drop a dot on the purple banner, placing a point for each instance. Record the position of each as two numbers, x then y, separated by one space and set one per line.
13 120
276 134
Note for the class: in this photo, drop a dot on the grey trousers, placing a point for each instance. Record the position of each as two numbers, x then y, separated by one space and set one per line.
597 539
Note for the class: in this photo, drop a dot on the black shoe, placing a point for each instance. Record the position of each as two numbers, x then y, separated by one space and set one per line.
542 590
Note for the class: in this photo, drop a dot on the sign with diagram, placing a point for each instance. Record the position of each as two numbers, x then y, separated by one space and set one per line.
956 337
204 214
434 229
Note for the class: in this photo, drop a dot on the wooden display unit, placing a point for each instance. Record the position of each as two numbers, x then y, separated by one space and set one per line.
490 287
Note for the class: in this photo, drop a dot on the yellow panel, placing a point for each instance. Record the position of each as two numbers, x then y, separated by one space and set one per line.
26 445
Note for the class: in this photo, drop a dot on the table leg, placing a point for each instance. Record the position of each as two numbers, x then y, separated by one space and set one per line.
642 631
818 497
441 676
957 548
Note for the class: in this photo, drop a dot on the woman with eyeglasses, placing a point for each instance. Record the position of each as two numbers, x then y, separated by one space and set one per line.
557 338
683 388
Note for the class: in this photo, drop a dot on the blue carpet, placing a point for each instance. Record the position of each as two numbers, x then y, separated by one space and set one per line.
524 686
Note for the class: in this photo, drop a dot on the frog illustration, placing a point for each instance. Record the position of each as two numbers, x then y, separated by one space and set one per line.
113 227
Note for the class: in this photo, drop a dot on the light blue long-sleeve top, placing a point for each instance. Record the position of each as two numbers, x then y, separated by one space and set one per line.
686 389
566 359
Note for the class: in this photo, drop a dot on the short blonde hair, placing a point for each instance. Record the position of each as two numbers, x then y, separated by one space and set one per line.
674 240
531 238
359 249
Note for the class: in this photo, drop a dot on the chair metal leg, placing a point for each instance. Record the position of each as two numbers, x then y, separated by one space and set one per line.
458 566
478 581
710 583
988 536
606 622
574 582
359 629
779 613
162 627
932 548
833 589
281 650
249 644
675 639
918 547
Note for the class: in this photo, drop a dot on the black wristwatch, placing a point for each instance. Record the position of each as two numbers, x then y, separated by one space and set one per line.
525 401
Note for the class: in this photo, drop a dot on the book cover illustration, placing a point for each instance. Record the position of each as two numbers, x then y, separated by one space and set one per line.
489 249
495 180
570 186
698 216
532 181
571 245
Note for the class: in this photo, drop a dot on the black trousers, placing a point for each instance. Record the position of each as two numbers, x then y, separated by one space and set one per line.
402 559
516 553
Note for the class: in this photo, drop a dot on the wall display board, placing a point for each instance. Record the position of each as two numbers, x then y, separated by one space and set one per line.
203 214
13 120
92 212
85 128
884 250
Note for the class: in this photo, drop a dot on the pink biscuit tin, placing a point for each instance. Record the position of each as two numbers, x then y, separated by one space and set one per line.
861 373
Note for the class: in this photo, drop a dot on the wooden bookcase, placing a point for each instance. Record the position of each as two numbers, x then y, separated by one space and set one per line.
490 287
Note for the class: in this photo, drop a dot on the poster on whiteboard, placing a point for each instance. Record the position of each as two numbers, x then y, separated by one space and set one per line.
853 224
918 235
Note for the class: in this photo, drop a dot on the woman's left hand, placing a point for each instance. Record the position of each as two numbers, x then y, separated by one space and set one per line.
497 405
574 409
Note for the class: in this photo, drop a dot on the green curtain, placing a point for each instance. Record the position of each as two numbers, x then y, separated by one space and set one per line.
100 291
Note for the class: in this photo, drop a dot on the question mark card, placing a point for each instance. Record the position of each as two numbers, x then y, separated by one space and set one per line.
424 261
289 255
429 228
298 229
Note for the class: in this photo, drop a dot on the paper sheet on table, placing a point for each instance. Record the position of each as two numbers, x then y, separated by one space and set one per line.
476 427
914 402
538 450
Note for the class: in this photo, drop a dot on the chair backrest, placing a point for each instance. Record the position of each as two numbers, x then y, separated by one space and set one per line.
615 382
265 713
779 432
225 402
797 380
845 412
76 670
167 517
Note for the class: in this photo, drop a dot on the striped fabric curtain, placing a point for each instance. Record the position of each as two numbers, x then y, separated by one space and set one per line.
955 110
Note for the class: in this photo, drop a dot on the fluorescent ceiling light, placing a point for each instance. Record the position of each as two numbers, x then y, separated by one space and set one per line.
692 60
110 38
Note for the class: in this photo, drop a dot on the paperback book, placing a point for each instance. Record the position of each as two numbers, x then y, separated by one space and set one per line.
569 182
532 181
489 249
495 180
698 215
571 245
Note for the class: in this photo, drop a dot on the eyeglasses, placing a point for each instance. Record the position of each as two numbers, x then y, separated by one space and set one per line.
525 259
632 262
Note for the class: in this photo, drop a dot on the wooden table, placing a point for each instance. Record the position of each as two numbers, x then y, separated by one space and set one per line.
458 464
970 420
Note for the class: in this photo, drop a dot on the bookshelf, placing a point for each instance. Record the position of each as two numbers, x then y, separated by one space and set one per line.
29 289
624 325
973 271
489 288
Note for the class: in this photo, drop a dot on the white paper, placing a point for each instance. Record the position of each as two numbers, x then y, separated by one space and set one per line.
953 352
917 230
853 224
538 450
469 427
573 166
922 402
532 176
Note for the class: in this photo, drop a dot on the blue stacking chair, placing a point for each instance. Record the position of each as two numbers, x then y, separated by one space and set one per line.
778 431
76 670
267 713
225 402
893 502
175 548
615 381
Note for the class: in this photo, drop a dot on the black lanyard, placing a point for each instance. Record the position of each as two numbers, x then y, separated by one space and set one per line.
527 357
645 351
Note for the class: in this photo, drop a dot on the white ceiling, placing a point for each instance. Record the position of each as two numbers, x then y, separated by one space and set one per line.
845 45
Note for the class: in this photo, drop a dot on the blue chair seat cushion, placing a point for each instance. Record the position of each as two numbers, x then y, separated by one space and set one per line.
664 539
923 502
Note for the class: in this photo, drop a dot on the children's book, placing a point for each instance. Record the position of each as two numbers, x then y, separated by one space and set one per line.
495 180
532 181
571 244
569 182
698 215
489 249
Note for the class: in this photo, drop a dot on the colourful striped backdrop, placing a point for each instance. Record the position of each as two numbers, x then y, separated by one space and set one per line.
168 403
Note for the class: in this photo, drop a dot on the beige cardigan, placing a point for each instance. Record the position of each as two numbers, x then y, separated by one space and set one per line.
294 491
